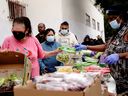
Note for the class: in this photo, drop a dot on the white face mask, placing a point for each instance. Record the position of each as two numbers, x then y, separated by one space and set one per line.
50 38
114 24
64 32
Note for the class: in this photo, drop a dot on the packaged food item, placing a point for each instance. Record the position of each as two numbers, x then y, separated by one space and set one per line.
65 69
81 65
68 49
94 68
98 54
88 53
63 57
69 56
76 58
91 60
67 82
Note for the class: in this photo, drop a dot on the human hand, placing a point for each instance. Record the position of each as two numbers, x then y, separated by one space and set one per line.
58 50
112 59
4 50
102 59
89 53
80 47
92 54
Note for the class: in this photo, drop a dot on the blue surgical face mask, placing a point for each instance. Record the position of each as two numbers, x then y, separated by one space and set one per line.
114 24
64 32
50 38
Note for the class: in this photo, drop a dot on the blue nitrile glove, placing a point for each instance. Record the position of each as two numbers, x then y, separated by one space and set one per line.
92 53
112 59
102 59
83 58
80 47
89 54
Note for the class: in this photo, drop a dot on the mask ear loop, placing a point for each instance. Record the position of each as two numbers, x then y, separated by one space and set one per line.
119 20
26 32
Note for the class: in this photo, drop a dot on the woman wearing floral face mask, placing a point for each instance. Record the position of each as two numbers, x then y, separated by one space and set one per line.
116 50
48 64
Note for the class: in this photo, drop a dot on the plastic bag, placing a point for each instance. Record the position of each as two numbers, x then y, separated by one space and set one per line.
63 57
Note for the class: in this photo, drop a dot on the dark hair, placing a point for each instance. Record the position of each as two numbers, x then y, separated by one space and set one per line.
26 22
65 23
86 37
47 31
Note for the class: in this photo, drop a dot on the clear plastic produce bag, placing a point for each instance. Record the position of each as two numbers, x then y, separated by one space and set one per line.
64 58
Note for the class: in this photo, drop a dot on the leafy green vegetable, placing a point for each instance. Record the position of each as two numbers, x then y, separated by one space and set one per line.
2 81
91 60
13 77
63 57
67 49
83 64
9 81
86 52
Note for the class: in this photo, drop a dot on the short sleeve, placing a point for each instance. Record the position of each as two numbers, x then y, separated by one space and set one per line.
41 52
5 44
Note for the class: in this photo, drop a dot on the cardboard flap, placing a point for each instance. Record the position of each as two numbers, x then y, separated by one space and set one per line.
11 66
94 88
11 57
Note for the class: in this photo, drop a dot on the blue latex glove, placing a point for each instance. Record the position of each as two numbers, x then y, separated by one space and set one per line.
92 53
102 59
80 47
112 59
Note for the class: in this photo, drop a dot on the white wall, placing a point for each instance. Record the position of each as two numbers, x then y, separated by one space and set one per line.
74 13
94 13
5 24
46 11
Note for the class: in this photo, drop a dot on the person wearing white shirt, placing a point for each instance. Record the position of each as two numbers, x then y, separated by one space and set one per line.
65 37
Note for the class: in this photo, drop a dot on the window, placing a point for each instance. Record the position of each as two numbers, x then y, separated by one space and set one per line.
94 23
88 20
16 9
98 26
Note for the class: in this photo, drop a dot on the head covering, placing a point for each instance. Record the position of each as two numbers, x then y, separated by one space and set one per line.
87 36
116 10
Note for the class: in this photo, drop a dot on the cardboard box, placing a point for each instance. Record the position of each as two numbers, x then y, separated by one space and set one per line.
30 90
15 62
105 93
